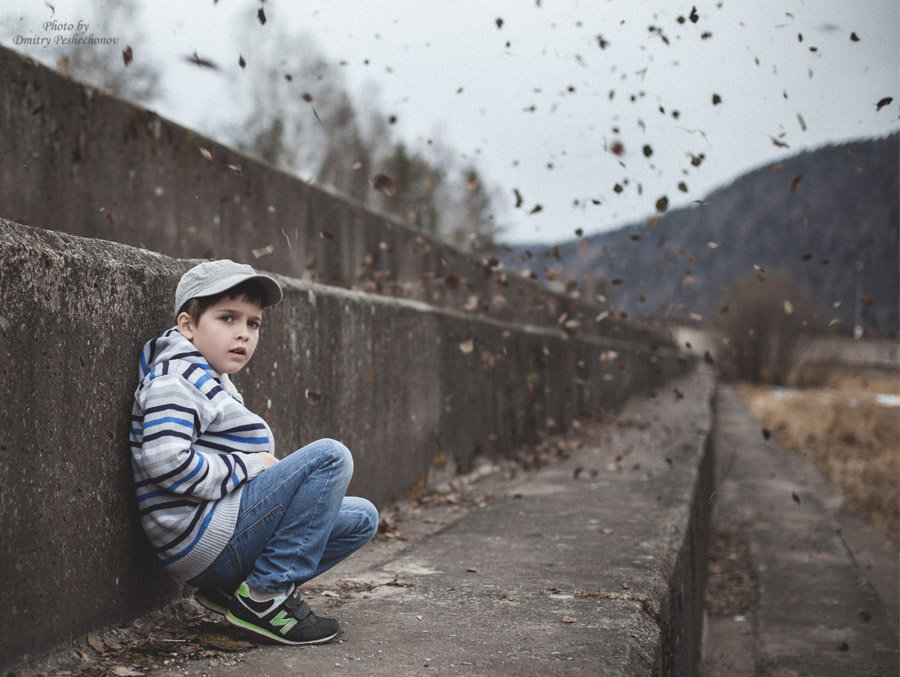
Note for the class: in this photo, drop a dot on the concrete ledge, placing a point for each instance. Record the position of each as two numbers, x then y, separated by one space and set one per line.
412 390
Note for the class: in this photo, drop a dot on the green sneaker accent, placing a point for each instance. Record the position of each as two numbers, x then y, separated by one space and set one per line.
289 621
282 620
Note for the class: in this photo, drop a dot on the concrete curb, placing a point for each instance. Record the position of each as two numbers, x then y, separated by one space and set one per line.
818 613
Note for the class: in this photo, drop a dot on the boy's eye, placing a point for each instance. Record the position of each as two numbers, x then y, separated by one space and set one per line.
254 324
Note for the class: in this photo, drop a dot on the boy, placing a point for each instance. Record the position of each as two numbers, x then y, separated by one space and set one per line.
221 511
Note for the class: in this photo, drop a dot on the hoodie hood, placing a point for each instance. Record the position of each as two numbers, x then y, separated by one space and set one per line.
172 346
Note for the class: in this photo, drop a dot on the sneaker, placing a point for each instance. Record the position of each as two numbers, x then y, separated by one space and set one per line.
290 621
215 599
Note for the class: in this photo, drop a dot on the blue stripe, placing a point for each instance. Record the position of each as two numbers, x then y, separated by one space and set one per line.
200 463
169 419
245 440
177 556
152 494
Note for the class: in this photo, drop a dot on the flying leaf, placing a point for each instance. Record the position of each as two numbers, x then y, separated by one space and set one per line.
241 62
385 184
519 199
854 37
716 99
662 204
205 153
766 433
466 347
795 182
499 22
313 396
197 60
127 55
883 102
536 209
694 17
261 15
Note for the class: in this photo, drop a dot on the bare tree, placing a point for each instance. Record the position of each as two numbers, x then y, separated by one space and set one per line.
303 119
761 318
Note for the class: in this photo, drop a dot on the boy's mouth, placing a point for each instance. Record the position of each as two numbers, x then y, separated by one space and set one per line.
238 351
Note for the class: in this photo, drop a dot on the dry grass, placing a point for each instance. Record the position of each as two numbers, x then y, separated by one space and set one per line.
847 434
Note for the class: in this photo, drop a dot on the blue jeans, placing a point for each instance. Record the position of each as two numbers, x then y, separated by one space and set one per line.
294 522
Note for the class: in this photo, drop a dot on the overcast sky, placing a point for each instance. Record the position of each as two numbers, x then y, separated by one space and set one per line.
538 92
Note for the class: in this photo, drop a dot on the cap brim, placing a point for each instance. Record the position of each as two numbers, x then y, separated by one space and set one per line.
270 287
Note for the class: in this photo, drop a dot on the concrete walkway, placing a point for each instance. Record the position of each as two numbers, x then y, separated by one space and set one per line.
827 583
576 568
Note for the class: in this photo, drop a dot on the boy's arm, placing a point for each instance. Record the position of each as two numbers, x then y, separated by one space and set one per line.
175 415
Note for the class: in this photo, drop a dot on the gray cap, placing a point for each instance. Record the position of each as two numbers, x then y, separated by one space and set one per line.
214 277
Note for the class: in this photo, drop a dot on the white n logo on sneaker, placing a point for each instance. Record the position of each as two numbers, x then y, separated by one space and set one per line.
282 619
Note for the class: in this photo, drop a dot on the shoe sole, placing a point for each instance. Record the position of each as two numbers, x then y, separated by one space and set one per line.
234 620
212 606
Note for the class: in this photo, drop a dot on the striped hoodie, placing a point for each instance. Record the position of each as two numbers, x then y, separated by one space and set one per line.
193 446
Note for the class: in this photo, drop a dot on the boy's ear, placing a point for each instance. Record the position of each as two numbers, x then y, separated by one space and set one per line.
185 326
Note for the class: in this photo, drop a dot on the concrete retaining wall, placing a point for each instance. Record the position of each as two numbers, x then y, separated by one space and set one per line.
397 378
79 161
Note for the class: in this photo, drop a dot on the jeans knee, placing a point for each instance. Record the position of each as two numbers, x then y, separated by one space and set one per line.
373 519
339 454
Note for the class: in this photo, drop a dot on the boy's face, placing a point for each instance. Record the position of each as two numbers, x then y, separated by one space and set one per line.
226 333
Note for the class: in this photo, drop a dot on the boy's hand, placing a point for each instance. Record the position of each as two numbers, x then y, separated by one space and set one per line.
267 459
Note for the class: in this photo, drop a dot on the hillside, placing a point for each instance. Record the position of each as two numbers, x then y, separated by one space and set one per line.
842 210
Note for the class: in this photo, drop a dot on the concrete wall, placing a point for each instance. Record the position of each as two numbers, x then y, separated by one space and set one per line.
79 161
395 385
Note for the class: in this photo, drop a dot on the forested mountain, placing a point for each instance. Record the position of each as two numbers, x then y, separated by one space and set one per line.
827 217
